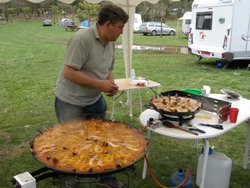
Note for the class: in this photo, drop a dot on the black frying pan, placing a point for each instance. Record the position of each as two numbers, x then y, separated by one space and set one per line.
176 114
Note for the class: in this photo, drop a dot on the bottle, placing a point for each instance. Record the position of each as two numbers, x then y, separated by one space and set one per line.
218 170
178 177
133 77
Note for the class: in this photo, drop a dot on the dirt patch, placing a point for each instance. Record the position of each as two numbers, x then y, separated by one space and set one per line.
172 50
11 151
165 49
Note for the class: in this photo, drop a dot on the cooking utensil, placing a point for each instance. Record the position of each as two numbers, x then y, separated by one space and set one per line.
90 173
208 104
216 126
192 128
171 125
180 117
231 94
197 130
175 93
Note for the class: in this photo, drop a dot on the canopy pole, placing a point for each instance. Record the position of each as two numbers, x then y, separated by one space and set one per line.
127 42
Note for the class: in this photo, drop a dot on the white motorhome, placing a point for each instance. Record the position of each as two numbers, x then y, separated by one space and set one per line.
137 22
220 29
186 21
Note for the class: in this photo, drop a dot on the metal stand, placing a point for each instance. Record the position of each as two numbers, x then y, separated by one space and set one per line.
130 172
59 178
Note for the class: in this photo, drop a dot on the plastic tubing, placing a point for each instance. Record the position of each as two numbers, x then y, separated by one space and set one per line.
159 184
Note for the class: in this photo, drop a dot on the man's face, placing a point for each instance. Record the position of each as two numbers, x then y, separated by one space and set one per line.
114 30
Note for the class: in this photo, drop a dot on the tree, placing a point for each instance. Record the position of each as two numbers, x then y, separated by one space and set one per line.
85 10
55 11
26 12
160 10
10 13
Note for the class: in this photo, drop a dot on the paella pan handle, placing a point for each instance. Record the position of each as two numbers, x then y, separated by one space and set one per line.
43 173
39 131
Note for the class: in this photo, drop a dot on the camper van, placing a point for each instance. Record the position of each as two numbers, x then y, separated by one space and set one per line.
137 22
186 21
220 29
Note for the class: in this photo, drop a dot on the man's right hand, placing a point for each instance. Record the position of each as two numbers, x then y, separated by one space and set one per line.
109 87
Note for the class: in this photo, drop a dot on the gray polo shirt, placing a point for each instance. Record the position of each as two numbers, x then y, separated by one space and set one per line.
86 54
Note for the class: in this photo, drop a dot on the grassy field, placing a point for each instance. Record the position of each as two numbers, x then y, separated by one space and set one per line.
30 59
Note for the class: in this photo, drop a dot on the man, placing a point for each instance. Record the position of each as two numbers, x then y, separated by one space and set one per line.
87 70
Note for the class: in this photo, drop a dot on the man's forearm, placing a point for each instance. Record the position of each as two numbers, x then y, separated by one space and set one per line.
80 78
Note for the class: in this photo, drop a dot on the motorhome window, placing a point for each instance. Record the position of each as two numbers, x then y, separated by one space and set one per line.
204 20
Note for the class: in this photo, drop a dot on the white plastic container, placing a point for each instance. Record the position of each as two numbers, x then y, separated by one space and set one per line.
218 170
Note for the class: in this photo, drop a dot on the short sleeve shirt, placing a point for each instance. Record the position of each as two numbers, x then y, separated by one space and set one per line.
87 54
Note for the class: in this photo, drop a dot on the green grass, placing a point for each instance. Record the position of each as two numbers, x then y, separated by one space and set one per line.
30 59
178 40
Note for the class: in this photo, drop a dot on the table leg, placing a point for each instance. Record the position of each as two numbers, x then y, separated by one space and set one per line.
113 109
247 145
113 104
140 100
196 144
130 104
204 169
145 166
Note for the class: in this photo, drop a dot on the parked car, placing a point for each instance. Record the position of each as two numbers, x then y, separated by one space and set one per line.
65 22
156 28
47 22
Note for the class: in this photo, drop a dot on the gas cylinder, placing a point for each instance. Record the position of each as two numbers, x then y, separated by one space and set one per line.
178 177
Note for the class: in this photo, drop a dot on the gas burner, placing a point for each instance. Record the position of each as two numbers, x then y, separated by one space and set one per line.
29 180
179 119
158 122
154 123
